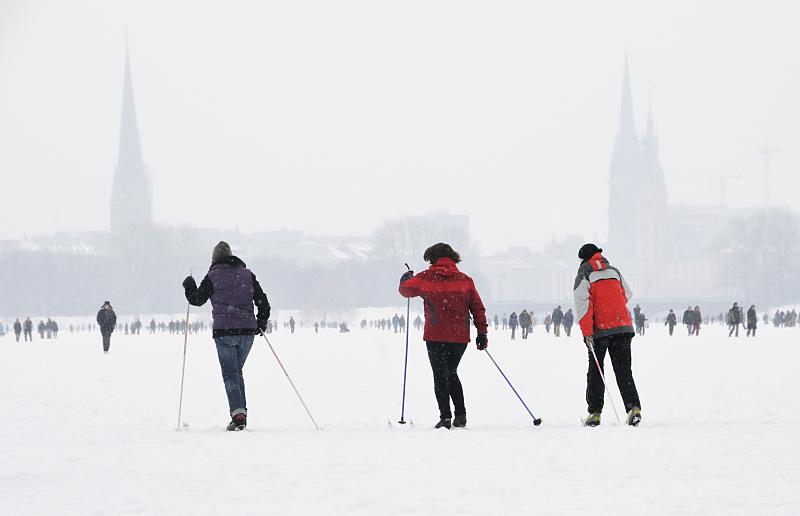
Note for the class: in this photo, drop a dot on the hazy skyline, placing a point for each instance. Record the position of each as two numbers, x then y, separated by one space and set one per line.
328 118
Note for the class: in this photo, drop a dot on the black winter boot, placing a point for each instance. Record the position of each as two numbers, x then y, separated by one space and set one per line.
460 421
444 423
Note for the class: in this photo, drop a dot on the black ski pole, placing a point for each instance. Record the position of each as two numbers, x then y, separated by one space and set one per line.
405 364
290 381
536 422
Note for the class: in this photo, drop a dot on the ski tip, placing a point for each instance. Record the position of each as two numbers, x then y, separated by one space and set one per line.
537 422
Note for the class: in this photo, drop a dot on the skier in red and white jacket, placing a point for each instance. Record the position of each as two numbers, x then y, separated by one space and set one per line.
601 299
449 297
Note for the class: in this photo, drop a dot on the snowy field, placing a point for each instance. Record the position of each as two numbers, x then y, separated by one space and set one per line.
91 434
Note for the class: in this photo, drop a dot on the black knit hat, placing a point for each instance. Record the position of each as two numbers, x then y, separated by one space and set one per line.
588 250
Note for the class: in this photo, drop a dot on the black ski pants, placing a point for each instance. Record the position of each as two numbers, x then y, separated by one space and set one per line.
106 341
619 347
444 358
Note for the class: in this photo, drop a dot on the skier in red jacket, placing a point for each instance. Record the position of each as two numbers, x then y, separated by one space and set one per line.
601 299
449 296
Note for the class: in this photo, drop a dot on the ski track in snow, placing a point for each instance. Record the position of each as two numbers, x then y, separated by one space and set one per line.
90 434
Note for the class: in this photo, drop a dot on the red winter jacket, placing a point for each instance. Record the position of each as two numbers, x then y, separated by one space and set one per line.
449 296
601 299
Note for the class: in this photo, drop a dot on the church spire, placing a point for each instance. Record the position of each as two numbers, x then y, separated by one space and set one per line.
625 178
626 128
130 196
650 132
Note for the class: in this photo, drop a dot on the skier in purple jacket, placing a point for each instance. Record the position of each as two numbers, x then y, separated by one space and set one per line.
233 291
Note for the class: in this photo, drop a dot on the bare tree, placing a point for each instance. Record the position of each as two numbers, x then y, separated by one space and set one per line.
761 254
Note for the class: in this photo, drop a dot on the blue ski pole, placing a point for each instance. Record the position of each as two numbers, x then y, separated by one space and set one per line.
536 422
405 364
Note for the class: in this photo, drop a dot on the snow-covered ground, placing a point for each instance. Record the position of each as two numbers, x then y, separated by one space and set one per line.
86 433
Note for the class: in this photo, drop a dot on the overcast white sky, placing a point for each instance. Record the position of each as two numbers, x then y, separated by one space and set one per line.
329 116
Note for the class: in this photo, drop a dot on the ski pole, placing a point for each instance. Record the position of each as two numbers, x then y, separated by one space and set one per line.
290 381
405 363
536 421
183 367
600 370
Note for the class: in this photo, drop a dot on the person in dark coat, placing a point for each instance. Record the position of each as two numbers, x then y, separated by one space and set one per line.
752 321
17 329
450 298
513 321
671 322
569 320
734 319
234 291
107 320
688 319
27 330
697 320
525 323
557 318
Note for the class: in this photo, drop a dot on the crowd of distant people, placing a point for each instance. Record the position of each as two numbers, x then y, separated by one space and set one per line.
521 324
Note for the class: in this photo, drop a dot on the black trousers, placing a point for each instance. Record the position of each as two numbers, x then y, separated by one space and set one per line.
106 341
444 358
619 347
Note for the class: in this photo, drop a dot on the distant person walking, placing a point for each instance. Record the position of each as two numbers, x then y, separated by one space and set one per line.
28 330
601 297
512 323
557 318
233 291
450 298
569 320
17 329
734 319
671 322
752 321
688 320
107 320
525 323
697 320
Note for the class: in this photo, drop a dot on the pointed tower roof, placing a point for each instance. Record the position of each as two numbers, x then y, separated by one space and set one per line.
130 195
650 132
129 143
626 128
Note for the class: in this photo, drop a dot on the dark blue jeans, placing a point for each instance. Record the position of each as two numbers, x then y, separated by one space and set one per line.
232 351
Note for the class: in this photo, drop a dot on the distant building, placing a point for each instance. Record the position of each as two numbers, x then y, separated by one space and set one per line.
666 252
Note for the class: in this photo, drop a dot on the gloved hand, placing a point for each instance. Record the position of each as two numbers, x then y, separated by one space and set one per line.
189 282
406 276
482 340
589 341
262 327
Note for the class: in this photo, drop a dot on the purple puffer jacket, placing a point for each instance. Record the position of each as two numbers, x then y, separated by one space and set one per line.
232 300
